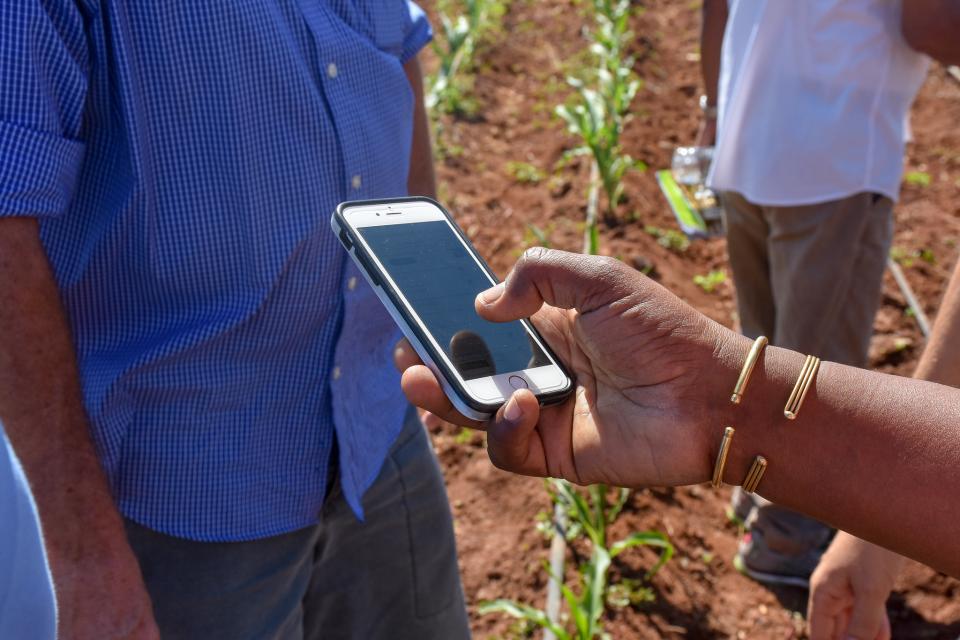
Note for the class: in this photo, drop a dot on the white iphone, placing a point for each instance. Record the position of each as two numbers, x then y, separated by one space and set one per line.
427 274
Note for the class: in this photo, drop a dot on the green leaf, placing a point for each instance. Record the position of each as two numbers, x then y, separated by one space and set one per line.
919 178
523 612
650 539
596 586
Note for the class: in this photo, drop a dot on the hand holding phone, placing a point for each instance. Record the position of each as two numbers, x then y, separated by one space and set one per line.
428 275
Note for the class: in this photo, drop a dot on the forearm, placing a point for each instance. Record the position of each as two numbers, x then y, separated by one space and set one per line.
931 27
941 357
41 407
867 454
422 180
711 45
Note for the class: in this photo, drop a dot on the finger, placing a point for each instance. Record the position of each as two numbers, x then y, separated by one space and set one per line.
886 633
404 356
824 611
822 625
561 279
512 440
422 390
866 619
429 420
840 625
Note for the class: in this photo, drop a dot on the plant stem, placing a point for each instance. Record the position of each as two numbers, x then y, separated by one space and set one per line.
590 240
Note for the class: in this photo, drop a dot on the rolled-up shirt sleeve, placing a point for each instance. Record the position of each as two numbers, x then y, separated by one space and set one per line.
43 90
416 31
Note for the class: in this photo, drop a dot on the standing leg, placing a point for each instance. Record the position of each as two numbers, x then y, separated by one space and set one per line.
394 575
226 591
747 231
827 263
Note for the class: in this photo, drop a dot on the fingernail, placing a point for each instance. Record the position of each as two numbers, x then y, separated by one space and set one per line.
492 295
513 412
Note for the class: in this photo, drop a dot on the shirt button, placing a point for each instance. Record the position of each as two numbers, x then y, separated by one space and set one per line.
336 373
356 181
352 283
332 70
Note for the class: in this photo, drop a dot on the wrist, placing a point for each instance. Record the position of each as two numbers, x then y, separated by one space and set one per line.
729 357
759 418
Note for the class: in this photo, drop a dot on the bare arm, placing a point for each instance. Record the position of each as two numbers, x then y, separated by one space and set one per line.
422 180
931 27
99 587
941 358
711 47
855 578
872 454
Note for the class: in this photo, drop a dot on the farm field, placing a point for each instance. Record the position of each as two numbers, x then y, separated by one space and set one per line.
502 172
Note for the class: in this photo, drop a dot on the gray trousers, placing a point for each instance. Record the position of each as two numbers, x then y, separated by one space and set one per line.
809 278
393 576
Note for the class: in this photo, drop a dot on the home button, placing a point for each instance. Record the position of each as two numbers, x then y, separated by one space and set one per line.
518 382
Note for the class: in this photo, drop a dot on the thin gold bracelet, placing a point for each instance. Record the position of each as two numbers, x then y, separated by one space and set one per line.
721 463
747 370
807 375
755 474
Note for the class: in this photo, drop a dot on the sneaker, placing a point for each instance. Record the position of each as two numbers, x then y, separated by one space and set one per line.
740 508
758 562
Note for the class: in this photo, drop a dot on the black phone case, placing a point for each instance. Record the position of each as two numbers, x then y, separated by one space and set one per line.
349 241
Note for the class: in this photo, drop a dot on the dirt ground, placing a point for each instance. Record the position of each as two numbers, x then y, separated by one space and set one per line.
519 80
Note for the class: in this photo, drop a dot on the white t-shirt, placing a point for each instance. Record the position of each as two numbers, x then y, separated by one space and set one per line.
28 609
814 97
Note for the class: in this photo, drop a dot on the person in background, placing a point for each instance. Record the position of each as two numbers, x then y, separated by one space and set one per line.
28 608
652 399
850 586
810 101
197 381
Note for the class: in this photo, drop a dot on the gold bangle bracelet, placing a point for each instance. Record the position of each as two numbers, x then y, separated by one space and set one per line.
747 370
755 474
807 375
721 463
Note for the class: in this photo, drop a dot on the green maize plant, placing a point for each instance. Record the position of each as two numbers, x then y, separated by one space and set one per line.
601 108
590 515
461 34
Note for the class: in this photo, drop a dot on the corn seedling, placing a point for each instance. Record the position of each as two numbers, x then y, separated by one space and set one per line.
463 25
919 178
593 515
907 258
669 238
601 107
524 172
534 236
710 281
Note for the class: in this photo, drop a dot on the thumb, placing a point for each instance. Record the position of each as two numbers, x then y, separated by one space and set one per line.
513 443
868 617
561 279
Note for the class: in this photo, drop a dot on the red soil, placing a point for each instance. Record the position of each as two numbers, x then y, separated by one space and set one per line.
519 80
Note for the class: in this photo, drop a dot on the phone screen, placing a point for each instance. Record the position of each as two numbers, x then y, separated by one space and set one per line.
440 279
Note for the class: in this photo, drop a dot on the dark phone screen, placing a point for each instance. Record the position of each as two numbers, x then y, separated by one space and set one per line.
440 279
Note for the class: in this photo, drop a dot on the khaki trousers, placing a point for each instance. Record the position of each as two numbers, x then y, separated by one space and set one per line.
809 278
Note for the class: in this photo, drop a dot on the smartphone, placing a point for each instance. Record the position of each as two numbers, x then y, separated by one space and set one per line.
427 274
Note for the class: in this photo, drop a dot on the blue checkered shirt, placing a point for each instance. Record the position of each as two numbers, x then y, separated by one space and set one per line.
184 158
